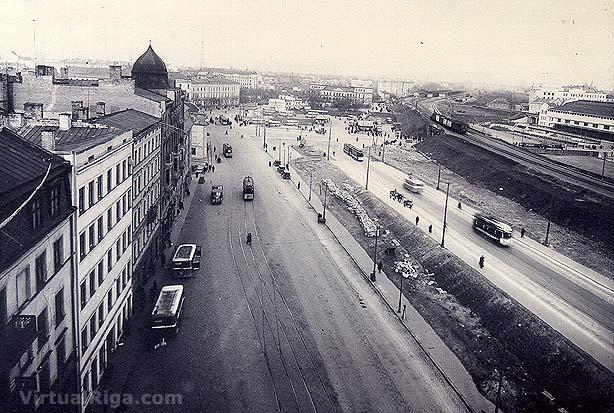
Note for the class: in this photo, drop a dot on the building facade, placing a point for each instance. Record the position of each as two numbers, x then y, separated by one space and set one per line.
101 157
565 94
146 159
211 91
245 78
356 95
588 118
199 143
37 324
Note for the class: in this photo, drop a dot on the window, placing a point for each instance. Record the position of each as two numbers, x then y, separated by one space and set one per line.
109 180
92 278
54 197
100 273
99 187
124 241
125 168
24 289
83 293
100 228
59 307
118 249
118 174
91 232
118 211
110 301
84 347
95 373
82 245
90 194
118 287
130 198
124 277
109 219
36 214
606 127
124 203
42 325
110 259
129 234
100 314
93 327
40 269
81 200
58 254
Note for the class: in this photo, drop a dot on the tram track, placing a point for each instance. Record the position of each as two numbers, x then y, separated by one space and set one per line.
287 341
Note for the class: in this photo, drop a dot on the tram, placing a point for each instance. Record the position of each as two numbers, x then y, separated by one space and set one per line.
493 228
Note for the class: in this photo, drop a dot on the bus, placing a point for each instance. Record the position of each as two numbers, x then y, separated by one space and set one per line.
413 185
227 150
248 188
493 228
186 260
353 151
167 311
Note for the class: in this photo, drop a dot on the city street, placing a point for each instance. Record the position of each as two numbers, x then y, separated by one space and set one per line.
287 324
575 300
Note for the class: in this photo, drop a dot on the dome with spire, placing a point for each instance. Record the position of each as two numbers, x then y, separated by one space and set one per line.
149 71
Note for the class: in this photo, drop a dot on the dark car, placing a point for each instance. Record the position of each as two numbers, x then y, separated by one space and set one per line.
281 169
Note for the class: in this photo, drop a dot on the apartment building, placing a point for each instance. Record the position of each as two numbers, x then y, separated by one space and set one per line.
101 157
37 327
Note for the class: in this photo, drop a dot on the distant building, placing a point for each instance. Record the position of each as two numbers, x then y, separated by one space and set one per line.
499 103
245 78
212 91
584 117
198 139
398 88
37 325
356 95
565 94
101 157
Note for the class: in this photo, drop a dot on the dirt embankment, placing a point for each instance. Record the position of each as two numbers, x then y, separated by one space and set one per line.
480 323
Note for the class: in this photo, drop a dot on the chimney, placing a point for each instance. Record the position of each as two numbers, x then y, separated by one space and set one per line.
64 72
16 120
48 139
77 106
33 110
65 121
115 72
100 109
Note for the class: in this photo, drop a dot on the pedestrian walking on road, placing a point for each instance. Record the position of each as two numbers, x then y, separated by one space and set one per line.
298 185
430 228
417 219
269 164
379 266
522 232
212 168
482 261
460 206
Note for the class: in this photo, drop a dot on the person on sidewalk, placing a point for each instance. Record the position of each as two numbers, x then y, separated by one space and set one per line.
430 228
417 219
522 232
380 266
298 185
212 168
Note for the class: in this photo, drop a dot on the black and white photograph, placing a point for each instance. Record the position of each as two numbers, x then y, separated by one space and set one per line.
307 206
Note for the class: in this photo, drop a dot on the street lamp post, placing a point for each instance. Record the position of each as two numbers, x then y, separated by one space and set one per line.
549 214
368 164
310 180
329 136
373 278
445 216
403 275
264 138
605 155
283 144
324 212
438 177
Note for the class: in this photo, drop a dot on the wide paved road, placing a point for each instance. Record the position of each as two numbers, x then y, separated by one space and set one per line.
286 325
573 299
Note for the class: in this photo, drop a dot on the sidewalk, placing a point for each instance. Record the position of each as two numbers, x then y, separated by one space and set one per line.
435 349
124 358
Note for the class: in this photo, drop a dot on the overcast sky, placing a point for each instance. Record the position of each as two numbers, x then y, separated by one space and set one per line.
511 42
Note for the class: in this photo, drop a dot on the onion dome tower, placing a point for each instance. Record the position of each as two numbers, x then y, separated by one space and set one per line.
149 71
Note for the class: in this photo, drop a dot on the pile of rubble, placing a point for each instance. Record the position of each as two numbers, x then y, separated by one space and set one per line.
353 205
405 268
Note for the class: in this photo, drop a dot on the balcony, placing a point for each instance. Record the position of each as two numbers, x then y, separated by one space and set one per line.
16 337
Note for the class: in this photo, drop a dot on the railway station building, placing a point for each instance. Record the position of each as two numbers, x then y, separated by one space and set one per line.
593 119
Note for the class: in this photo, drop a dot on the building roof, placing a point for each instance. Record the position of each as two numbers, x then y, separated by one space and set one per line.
148 94
76 82
231 71
149 71
129 119
587 107
77 138
22 162
215 79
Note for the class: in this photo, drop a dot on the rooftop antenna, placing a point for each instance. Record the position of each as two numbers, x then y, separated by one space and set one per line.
34 41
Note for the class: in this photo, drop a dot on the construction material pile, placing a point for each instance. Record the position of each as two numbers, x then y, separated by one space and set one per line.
353 205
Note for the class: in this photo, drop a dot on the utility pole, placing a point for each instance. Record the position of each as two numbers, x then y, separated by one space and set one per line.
264 139
279 150
401 292
329 136
549 215
368 163
383 150
438 177
605 155
283 148
324 212
373 278
310 180
445 216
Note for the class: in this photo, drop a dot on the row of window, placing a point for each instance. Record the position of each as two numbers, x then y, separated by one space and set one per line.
92 326
23 282
143 149
88 239
96 281
575 122
94 191
145 175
